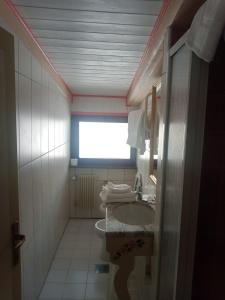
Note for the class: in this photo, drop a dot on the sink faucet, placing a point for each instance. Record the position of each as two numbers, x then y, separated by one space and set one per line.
139 188
139 196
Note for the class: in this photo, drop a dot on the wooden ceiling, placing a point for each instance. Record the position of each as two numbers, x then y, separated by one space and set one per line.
95 45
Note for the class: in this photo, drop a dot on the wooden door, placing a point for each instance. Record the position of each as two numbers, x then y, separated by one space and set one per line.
9 209
209 270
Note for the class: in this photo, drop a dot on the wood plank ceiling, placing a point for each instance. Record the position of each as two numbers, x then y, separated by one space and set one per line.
95 45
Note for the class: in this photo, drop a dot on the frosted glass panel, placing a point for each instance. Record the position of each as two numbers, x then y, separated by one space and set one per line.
103 140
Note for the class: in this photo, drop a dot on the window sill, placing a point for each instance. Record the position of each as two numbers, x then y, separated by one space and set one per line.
107 163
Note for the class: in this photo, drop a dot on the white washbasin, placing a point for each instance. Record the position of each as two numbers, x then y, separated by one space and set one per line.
133 213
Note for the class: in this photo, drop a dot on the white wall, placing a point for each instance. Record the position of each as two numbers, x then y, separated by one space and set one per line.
43 126
43 120
99 105
43 154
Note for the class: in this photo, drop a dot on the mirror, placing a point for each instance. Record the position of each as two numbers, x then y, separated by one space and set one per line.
154 134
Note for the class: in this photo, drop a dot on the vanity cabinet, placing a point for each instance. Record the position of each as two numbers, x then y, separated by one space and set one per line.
126 244
123 249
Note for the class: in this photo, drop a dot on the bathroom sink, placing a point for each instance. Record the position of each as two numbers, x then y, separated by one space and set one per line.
133 213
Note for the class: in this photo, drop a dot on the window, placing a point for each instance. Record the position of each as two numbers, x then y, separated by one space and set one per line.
103 140
98 141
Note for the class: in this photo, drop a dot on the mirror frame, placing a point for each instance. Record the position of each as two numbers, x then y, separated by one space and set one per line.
153 138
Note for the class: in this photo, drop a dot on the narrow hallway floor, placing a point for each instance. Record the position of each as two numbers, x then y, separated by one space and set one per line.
73 272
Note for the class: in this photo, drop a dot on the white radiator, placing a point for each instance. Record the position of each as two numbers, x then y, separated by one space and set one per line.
86 191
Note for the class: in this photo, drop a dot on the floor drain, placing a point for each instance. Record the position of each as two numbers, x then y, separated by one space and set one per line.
102 268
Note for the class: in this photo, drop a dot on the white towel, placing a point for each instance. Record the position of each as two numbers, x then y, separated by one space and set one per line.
206 29
110 195
107 199
117 188
137 130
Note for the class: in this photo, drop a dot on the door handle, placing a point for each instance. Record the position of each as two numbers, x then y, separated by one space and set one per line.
17 241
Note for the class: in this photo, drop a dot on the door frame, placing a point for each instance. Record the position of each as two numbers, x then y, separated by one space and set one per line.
182 284
9 108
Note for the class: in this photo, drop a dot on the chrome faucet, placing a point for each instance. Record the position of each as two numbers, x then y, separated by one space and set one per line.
139 187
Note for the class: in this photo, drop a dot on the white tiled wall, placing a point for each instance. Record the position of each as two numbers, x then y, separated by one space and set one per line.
115 175
43 121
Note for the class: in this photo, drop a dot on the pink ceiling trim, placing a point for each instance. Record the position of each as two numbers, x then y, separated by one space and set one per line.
100 96
99 114
24 24
149 44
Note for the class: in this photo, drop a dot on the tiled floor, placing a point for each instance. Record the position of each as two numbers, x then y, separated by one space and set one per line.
72 274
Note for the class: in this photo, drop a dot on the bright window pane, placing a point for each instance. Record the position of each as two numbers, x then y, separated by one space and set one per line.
103 140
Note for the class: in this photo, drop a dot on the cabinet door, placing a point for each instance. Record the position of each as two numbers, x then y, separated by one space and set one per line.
182 172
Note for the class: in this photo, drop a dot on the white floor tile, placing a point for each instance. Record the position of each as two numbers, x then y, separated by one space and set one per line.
98 298
72 274
74 221
57 276
94 277
77 276
49 298
96 290
68 236
79 264
96 241
52 291
96 246
95 253
83 236
68 246
61 264
81 252
83 243
76 298
74 291
72 230
87 227
64 253
95 234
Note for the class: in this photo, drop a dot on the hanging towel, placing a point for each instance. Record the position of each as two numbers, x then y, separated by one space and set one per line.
206 29
137 130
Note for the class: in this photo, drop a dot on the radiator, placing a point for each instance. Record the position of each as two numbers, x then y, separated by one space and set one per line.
86 191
